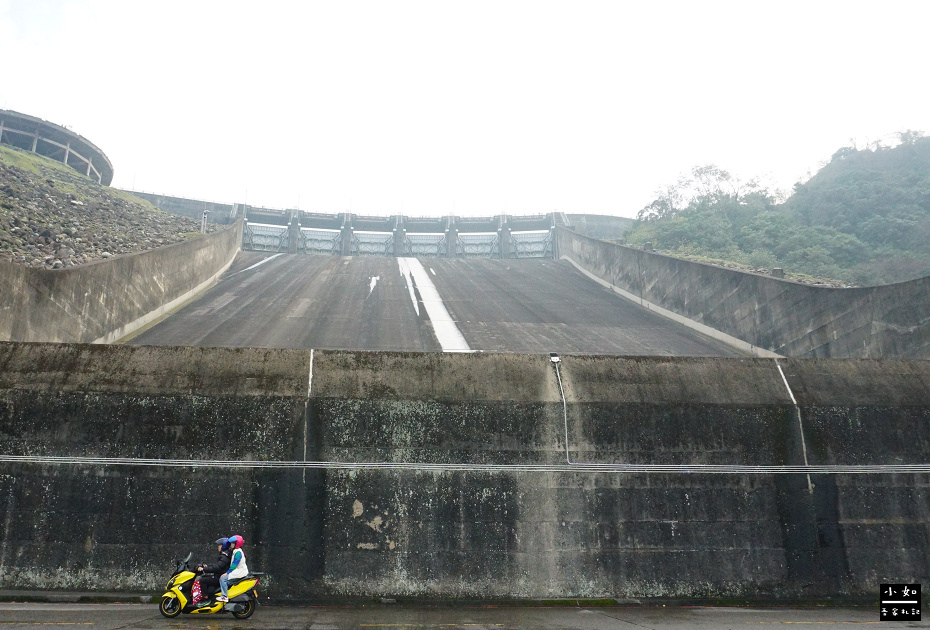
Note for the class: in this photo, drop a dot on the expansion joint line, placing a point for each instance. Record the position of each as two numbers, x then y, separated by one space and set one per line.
797 408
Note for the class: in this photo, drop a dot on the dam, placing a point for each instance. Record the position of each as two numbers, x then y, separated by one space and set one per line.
699 434
448 475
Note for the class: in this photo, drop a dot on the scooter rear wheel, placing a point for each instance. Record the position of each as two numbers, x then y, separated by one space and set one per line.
245 614
170 607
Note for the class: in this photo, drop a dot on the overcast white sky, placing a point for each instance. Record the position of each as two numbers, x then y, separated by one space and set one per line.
468 108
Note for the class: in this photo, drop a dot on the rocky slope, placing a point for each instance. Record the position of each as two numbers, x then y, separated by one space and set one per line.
52 217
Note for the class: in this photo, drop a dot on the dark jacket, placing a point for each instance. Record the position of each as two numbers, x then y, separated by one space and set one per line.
220 566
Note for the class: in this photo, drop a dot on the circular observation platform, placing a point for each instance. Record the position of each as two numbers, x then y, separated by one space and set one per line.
56 142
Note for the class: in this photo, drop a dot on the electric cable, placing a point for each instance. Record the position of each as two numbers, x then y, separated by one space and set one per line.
728 469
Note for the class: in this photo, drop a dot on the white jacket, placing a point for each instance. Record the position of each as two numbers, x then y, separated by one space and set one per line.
240 569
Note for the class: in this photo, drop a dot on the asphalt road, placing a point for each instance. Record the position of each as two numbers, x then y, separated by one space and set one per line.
146 616
366 303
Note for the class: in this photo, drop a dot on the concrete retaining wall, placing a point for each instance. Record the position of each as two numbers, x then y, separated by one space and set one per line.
599 225
104 301
383 532
223 213
891 321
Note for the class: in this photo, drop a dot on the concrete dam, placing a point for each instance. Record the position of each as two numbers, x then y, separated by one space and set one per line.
704 435
363 474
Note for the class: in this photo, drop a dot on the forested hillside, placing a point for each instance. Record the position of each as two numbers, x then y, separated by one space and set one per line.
863 219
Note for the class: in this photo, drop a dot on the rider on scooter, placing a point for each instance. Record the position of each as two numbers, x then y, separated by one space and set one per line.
237 566
210 573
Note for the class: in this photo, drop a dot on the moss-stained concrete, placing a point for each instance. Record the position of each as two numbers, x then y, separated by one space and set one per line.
464 533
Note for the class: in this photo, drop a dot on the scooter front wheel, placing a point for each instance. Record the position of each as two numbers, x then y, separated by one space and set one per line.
247 612
170 607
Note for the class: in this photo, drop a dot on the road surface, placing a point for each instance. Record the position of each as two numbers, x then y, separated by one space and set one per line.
147 617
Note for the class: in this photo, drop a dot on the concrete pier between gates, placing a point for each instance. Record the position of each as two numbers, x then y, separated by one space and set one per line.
477 532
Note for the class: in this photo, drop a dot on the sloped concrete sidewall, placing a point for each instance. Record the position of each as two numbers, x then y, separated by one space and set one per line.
472 532
791 319
104 301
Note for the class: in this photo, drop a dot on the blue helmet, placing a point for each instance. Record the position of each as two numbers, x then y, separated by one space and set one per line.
224 542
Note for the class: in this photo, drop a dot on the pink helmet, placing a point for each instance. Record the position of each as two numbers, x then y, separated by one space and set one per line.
236 541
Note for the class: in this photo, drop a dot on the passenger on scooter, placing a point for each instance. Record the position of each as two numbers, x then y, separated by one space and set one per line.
210 573
237 567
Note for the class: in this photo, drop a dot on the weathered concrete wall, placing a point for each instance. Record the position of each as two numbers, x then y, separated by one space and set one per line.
104 527
622 535
791 319
104 301
386 532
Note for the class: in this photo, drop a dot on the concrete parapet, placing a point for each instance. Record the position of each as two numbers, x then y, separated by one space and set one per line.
107 300
790 319
598 226
222 213
470 531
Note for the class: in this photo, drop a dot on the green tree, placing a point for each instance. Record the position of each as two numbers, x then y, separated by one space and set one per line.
863 217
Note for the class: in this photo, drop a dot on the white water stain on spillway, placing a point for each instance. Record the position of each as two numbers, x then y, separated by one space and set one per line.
447 333
258 264
405 272
373 282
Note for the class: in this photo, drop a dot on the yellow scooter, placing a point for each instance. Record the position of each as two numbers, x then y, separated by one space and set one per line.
243 597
